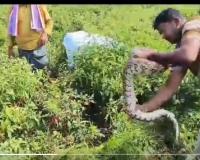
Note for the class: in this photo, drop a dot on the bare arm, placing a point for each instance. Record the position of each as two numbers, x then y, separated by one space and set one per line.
185 55
166 92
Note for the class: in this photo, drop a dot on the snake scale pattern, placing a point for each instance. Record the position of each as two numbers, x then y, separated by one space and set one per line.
139 66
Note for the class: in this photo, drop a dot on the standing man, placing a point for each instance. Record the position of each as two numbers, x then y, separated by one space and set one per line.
30 27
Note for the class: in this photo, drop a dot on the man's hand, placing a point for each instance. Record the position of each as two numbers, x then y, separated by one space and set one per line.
137 111
147 54
43 39
143 53
10 52
142 108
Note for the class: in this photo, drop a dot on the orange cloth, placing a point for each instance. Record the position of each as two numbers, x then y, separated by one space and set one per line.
27 38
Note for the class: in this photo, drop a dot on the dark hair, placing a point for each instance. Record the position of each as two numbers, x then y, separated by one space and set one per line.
167 15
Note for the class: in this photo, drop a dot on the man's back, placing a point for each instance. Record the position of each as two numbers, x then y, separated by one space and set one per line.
191 29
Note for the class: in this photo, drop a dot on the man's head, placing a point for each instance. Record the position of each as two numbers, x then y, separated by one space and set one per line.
169 23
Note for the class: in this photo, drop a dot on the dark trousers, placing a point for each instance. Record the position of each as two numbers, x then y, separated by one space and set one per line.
37 58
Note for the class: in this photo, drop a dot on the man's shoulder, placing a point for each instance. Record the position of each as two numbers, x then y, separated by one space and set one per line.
193 24
194 18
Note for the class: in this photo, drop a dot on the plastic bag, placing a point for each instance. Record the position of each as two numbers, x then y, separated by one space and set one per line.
74 41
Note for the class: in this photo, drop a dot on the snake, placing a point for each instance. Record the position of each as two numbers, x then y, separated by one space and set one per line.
141 66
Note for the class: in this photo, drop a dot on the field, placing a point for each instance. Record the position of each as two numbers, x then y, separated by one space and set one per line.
79 114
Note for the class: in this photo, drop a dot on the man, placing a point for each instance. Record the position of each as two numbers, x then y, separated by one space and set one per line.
186 35
29 28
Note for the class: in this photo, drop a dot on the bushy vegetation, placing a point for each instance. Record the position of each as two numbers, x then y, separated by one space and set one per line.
81 112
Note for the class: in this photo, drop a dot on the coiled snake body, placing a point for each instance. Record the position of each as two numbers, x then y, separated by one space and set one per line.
138 66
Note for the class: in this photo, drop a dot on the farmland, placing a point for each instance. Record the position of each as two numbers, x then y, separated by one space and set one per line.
81 112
